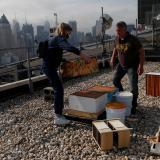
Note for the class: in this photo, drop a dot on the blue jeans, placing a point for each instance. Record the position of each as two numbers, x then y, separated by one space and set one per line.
133 81
58 88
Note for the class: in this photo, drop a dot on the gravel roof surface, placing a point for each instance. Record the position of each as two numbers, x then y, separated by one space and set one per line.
27 131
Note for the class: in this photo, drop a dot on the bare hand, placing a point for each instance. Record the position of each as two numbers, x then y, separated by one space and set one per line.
140 70
85 57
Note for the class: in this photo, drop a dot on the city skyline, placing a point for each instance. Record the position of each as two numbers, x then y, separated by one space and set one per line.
85 12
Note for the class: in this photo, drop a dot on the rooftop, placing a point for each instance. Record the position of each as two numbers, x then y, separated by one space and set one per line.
27 130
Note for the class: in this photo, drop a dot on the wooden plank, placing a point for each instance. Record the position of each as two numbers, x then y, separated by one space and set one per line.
147 92
156 87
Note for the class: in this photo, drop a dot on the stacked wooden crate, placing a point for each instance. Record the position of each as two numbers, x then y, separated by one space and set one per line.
109 133
79 68
153 84
87 104
90 103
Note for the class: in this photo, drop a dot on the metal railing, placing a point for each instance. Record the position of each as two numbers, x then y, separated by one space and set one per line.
150 38
31 66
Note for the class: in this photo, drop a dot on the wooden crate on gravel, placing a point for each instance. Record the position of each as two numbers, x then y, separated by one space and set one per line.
109 133
102 134
79 68
153 84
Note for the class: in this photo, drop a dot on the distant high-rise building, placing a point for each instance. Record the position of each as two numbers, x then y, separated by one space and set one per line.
98 28
5 33
80 37
147 9
41 33
16 26
28 37
94 32
16 33
46 26
40 30
28 32
88 38
73 36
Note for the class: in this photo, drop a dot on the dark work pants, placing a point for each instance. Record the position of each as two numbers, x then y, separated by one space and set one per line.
133 82
58 88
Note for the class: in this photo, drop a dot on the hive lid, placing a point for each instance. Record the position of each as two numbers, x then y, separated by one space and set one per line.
105 89
117 124
124 94
115 105
101 125
89 94
154 73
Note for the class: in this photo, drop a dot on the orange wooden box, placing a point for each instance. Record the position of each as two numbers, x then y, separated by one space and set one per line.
79 68
153 84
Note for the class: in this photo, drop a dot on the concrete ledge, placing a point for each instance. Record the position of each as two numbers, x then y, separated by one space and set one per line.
21 83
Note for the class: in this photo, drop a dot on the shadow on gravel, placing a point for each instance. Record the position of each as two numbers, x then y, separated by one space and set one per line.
19 101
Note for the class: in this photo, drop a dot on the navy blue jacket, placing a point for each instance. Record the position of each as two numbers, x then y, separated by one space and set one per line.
56 45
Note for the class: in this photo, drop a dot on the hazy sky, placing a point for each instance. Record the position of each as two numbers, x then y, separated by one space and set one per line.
85 12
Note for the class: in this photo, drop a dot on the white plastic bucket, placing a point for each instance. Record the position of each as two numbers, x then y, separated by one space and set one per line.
125 97
116 110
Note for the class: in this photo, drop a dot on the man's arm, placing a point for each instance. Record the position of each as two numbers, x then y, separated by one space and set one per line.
114 55
141 62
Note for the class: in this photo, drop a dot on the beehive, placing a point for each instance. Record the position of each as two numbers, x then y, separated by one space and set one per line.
108 90
87 101
79 68
153 84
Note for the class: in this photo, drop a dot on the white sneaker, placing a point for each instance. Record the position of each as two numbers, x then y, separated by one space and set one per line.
61 120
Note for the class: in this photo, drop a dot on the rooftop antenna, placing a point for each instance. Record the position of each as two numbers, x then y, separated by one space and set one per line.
106 24
103 34
56 16
25 19
15 17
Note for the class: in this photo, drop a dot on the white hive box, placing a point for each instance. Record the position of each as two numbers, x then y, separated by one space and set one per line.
87 101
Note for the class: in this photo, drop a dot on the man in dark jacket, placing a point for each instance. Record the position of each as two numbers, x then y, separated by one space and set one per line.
131 59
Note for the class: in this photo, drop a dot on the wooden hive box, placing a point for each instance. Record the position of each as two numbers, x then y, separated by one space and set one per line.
86 104
108 90
79 68
153 84
103 135
87 101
